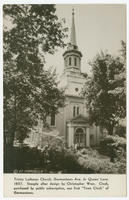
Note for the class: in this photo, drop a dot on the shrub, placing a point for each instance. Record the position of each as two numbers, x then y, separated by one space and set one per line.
117 141
53 157
120 131
91 160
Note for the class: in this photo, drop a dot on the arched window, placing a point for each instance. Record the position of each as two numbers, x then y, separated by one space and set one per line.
74 111
79 130
77 110
80 138
75 61
70 61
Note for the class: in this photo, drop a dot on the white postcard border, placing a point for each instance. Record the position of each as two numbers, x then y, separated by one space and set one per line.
1 81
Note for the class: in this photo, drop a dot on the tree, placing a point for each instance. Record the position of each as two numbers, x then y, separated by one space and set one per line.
30 91
105 91
119 85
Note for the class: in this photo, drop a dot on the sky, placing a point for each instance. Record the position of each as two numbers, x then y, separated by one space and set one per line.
98 27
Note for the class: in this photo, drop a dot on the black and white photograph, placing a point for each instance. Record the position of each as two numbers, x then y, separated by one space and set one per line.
64 88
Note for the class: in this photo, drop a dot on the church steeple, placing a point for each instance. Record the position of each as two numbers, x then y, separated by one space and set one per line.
72 56
73 31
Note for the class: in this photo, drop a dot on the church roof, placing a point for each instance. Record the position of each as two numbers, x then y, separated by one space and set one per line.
72 47
79 119
73 32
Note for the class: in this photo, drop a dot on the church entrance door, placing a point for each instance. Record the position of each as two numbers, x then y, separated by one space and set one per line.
80 137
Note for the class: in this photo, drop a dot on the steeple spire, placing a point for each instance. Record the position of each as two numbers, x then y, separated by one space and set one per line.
73 31
72 56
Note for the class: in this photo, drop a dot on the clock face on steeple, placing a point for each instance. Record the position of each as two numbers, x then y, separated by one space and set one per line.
76 89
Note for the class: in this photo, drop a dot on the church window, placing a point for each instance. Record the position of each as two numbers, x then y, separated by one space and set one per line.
53 120
74 111
77 110
80 138
75 61
75 47
70 61
79 130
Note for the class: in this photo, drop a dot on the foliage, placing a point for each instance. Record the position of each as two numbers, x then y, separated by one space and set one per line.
91 159
51 159
55 158
114 147
30 92
105 90
20 159
120 131
117 141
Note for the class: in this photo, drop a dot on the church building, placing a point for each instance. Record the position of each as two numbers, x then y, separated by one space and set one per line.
71 123
72 120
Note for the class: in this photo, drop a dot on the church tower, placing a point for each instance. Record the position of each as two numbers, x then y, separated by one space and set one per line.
72 121
72 79
72 56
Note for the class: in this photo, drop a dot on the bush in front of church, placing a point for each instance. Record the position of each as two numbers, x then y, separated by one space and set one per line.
92 159
55 158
